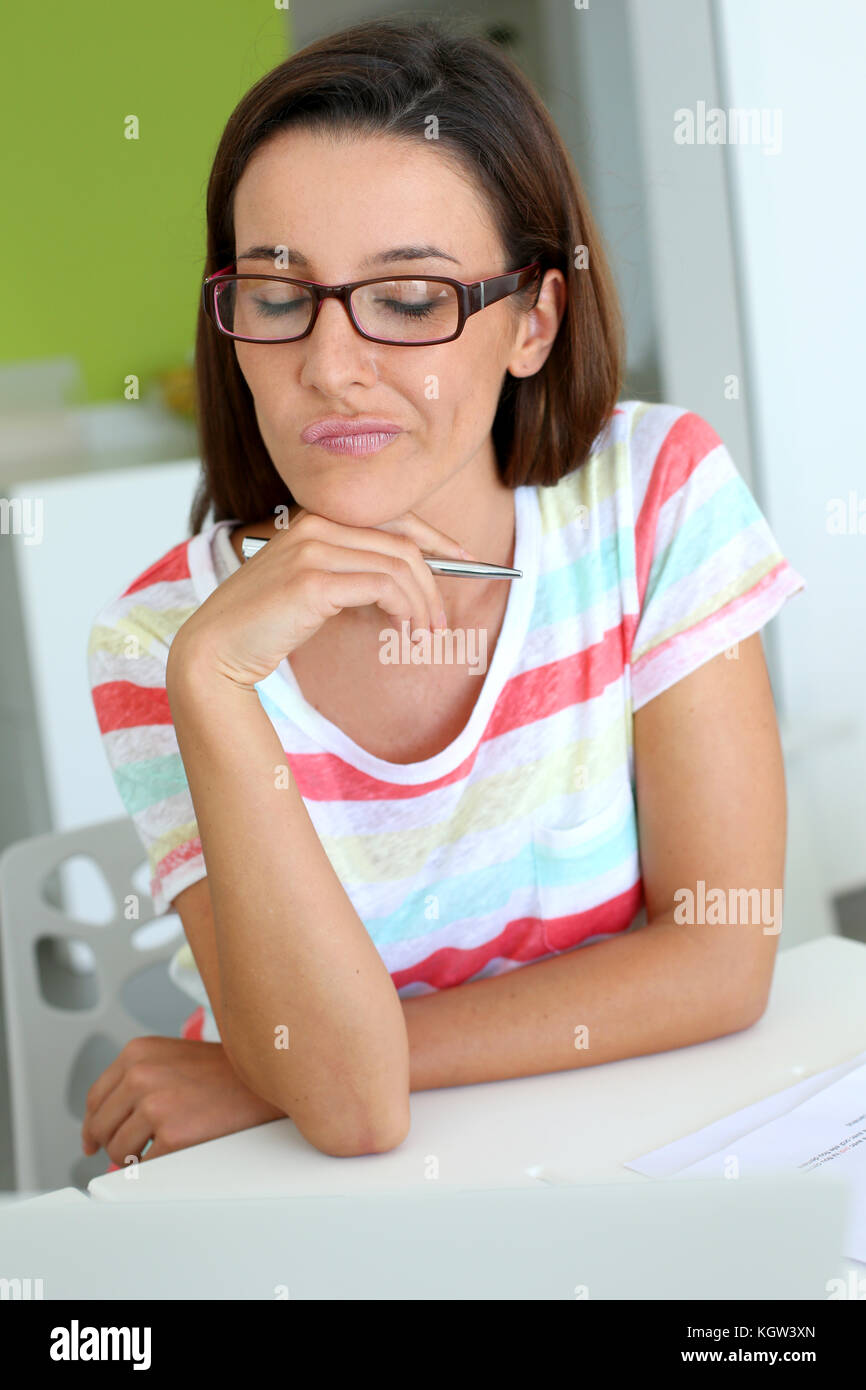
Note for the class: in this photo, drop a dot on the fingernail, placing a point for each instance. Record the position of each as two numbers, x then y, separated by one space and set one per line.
466 555
441 621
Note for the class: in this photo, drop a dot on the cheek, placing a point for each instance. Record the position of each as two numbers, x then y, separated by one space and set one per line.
470 382
449 377
268 385
255 367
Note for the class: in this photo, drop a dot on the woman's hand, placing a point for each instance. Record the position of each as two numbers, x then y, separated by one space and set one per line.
175 1091
305 575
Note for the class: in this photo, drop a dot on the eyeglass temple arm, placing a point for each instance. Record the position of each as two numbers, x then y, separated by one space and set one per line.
486 292
207 280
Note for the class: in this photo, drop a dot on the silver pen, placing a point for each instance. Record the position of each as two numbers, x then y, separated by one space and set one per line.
468 568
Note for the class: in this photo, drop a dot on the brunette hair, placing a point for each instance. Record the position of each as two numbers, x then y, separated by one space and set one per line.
389 77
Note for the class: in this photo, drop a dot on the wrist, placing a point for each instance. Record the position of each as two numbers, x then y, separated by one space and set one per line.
192 669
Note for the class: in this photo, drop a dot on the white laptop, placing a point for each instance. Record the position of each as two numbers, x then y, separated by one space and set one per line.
768 1237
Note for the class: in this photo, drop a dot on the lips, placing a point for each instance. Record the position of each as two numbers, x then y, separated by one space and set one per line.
346 426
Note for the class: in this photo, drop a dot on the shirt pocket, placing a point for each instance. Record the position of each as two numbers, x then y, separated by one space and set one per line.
583 873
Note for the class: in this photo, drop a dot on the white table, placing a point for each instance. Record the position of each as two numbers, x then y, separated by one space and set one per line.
264 1215
63 1197
581 1125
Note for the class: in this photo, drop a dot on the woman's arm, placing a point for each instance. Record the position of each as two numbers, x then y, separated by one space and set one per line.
294 959
711 806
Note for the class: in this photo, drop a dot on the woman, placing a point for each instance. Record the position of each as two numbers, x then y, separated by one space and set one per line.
383 866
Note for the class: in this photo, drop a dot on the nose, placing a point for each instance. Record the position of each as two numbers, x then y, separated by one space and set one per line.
335 354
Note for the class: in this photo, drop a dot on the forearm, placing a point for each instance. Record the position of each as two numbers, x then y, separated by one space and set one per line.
656 988
296 965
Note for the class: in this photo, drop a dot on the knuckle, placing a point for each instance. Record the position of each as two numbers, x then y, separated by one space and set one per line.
309 584
407 547
399 565
171 1137
140 1076
141 1047
152 1108
388 586
308 550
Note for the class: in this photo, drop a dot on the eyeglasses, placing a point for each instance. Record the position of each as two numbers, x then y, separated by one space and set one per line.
401 310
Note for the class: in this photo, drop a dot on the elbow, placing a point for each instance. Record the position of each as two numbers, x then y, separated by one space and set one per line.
343 1141
373 1139
344 1127
748 1007
757 1010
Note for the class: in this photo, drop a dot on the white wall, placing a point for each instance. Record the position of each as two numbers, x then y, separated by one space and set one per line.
800 227
692 263
589 88
101 530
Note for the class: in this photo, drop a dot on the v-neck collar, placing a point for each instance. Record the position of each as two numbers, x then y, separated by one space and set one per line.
282 690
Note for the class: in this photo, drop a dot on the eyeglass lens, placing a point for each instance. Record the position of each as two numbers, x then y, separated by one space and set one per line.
403 311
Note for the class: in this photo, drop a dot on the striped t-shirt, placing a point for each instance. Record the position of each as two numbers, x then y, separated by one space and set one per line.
520 839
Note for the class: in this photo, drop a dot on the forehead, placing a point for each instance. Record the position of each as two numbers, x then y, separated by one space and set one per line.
329 188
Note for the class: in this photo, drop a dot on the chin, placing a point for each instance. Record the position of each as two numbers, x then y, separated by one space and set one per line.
358 506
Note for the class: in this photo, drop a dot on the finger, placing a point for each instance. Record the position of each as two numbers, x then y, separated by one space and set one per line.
97 1124
158 1148
114 1074
429 539
104 1085
395 541
105 1121
129 1139
408 569
410 551
370 587
104 1126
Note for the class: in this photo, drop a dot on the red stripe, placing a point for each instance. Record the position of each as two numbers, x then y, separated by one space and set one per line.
686 444
124 705
526 939
326 777
170 567
612 916
707 623
524 699
191 849
570 680
521 940
194 1025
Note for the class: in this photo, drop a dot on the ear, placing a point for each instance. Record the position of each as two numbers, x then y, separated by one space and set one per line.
538 327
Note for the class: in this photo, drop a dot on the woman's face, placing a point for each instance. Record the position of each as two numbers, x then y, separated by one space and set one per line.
339 204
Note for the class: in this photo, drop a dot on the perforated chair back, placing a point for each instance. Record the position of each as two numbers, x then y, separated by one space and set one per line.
65 1024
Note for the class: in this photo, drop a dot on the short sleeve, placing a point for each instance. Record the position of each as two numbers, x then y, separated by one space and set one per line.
709 571
126 659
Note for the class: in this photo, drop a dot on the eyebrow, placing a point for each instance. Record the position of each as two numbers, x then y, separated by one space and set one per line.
396 253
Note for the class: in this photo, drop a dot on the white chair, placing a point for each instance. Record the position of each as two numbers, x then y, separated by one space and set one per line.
66 1024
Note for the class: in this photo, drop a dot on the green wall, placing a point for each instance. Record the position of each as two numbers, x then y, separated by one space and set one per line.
103 237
